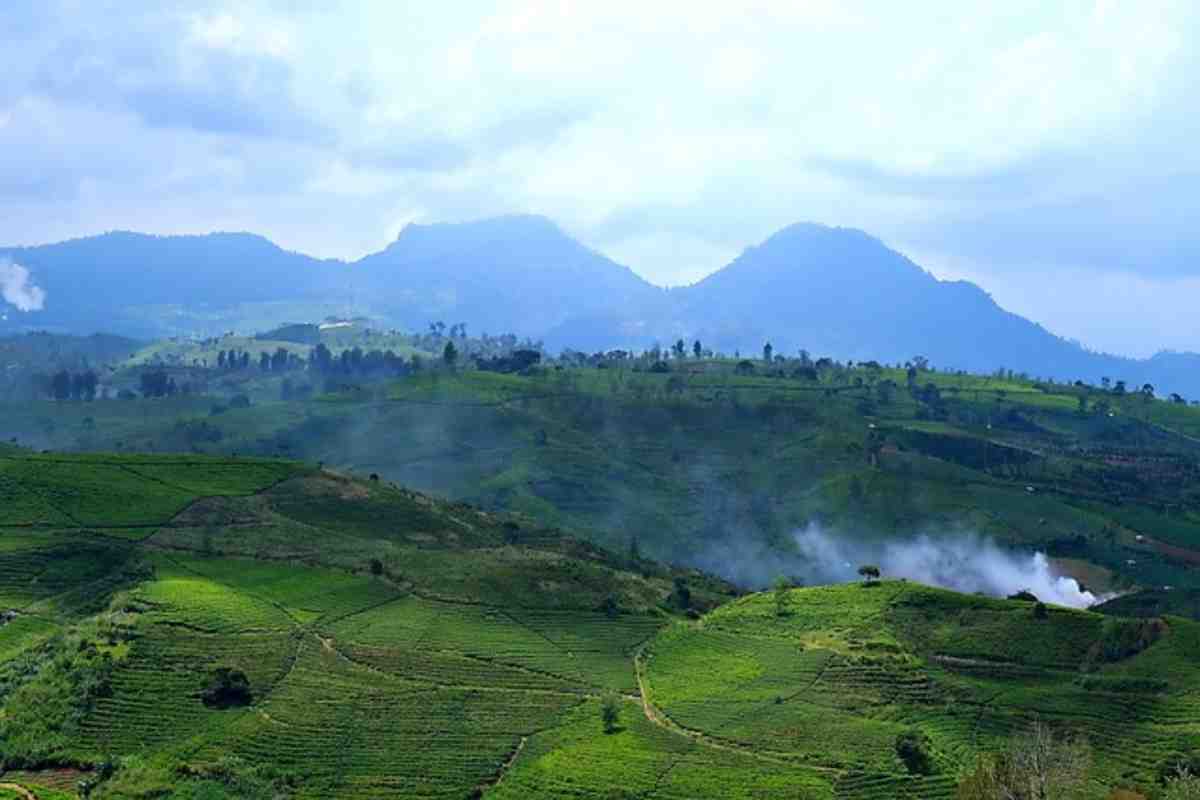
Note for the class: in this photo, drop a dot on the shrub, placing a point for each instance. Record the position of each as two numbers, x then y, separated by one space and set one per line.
227 688
916 751
610 712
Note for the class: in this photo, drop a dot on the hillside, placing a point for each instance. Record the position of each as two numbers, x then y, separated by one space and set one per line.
720 467
185 627
836 676
391 644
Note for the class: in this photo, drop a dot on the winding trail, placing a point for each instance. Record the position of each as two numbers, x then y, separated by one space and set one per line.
21 790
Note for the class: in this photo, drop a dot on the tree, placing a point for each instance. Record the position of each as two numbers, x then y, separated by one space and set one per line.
1183 785
89 381
60 385
697 351
226 688
1035 766
449 354
683 595
264 361
915 749
1147 392
782 593
610 712
869 572
767 351
679 349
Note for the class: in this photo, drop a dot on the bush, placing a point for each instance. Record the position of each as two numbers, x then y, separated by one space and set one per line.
227 688
610 712
916 751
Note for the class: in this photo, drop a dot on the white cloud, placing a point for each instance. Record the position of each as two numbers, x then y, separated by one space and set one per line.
646 129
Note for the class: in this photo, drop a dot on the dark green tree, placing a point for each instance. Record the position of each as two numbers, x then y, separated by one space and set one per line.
449 354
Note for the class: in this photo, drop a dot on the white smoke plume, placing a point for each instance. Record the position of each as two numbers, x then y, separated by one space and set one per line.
964 562
18 290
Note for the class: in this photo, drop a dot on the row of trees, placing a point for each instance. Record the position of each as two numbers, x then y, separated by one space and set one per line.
66 385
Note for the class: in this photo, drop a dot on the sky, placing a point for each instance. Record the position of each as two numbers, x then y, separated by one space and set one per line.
1043 150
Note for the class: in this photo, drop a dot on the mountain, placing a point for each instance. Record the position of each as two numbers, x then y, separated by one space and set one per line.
840 292
139 285
830 291
518 274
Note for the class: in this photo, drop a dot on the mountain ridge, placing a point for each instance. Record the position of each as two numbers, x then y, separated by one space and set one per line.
828 290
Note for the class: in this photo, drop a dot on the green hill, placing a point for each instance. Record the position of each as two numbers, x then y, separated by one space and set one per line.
391 644
200 627
683 460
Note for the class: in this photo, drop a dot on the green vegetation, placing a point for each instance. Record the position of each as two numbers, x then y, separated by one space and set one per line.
213 621
682 451
896 685
275 630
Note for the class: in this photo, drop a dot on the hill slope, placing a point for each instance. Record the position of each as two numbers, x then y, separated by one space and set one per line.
194 627
390 644
835 679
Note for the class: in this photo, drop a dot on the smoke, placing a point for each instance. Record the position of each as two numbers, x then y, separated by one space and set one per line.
18 290
965 562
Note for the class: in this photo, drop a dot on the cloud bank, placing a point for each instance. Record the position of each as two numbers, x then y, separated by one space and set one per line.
1013 143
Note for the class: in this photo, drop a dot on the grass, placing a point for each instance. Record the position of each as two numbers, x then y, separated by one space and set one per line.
836 680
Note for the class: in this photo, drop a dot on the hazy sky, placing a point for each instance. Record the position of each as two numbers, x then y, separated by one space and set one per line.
1047 151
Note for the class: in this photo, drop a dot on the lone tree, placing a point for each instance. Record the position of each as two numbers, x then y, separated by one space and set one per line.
697 350
227 688
610 712
1037 765
450 354
915 749
782 587
869 572
767 351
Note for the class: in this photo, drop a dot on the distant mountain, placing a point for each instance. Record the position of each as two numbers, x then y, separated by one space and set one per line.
518 274
140 285
840 292
830 291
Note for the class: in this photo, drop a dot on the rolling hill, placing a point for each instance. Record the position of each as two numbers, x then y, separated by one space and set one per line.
190 627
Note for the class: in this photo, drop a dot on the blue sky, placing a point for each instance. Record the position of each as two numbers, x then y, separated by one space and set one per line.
1045 150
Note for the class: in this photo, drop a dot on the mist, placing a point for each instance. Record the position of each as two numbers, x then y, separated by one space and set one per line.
18 289
964 562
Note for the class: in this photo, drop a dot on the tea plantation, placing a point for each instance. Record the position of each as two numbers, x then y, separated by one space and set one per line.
208 627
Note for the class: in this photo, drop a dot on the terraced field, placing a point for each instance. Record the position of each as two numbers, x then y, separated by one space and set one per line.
371 642
848 669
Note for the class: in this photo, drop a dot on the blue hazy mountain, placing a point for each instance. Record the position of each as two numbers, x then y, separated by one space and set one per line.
830 291
518 274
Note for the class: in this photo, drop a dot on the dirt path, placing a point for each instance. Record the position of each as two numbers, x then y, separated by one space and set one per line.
657 717
21 790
